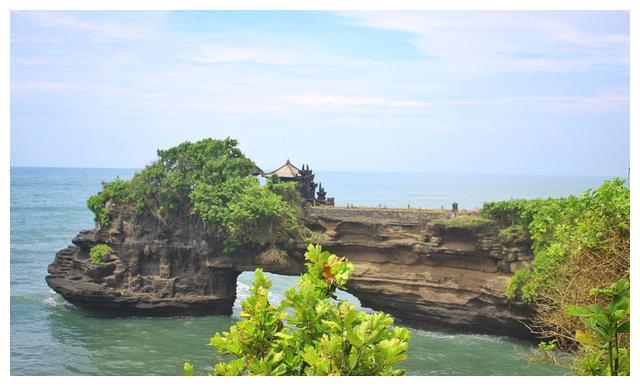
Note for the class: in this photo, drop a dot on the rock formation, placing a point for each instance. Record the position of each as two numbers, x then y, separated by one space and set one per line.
417 266
156 269
429 272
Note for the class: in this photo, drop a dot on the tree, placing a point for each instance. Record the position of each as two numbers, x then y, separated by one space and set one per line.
210 179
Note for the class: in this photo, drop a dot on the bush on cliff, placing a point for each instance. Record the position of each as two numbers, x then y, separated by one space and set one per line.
98 252
246 211
320 337
579 243
211 179
102 203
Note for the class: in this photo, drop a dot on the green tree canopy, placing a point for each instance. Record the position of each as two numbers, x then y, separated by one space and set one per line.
210 179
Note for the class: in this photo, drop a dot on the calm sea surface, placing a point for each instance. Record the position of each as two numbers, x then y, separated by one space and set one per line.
51 337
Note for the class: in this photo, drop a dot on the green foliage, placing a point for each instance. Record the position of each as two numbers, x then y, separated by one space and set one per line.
548 350
601 351
187 369
98 252
512 212
462 221
320 337
517 232
548 346
212 179
563 228
246 211
101 204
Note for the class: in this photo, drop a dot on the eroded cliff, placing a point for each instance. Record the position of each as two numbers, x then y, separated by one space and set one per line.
422 267
427 269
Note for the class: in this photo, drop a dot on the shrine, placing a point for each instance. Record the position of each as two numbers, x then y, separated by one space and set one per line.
304 179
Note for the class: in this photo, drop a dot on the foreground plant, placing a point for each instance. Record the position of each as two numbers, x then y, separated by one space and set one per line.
606 328
321 336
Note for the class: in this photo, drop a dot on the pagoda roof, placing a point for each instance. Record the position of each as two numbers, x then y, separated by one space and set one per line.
285 171
256 171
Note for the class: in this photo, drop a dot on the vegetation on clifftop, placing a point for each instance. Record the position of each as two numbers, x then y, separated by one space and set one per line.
320 336
211 179
580 243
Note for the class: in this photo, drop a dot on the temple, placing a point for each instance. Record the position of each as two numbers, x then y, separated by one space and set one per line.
304 179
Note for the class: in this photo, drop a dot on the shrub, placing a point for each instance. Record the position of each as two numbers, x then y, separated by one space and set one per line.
607 330
98 252
246 211
101 204
320 337
579 242
511 212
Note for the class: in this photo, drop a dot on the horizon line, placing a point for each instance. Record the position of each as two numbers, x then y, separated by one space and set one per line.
354 171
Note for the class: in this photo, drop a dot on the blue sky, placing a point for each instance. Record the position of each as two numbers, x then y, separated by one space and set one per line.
454 92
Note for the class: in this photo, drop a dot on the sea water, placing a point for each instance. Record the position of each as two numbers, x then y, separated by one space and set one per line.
51 337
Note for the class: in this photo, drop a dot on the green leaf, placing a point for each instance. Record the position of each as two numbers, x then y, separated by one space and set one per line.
578 311
326 337
187 369
624 328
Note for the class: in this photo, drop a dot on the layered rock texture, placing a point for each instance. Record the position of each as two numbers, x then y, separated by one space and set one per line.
422 267
157 269
429 270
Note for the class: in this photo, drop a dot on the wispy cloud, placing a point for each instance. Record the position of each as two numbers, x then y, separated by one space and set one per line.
573 35
495 78
343 100
137 27
598 101
222 54
55 87
257 53
499 41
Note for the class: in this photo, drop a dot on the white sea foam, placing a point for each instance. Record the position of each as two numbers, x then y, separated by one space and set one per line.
53 301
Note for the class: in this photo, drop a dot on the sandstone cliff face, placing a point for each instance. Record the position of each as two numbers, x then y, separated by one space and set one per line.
427 274
157 269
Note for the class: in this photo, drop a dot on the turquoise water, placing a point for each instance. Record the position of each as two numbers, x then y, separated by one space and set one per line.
51 337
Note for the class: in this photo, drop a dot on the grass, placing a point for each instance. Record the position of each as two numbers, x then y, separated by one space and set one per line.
462 221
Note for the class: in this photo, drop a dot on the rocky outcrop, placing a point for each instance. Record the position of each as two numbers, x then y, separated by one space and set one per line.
158 269
416 265
429 271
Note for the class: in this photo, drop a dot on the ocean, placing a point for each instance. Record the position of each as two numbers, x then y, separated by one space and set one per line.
51 337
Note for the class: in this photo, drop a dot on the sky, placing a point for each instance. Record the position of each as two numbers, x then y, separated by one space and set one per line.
441 92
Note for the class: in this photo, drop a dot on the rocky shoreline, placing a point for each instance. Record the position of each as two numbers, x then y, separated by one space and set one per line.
420 266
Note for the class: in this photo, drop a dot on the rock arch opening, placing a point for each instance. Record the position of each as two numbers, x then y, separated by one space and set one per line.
280 283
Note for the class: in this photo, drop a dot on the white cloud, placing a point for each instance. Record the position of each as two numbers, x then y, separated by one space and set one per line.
342 100
598 101
215 55
51 87
138 25
272 54
573 35
499 41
